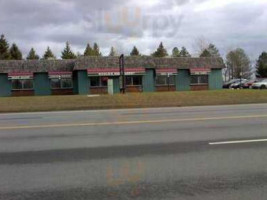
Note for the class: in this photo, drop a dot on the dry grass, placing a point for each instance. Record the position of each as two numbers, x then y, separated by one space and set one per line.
169 99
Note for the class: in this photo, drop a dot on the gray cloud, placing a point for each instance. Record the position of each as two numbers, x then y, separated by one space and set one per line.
122 24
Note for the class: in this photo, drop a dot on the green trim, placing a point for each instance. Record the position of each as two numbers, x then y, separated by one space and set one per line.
5 86
183 80
41 84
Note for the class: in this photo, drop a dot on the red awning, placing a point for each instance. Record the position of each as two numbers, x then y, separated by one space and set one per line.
114 71
20 75
60 74
200 71
166 71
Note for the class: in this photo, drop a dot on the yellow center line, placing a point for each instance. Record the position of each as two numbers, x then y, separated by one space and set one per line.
130 122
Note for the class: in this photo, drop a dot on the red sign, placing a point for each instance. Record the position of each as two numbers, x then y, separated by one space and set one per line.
114 71
20 75
200 71
166 71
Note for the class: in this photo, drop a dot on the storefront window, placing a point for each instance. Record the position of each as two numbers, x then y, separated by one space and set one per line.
165 80
64 83
133 80
98 81
22 84
199 80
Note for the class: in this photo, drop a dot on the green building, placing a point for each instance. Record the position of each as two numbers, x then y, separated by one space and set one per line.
99 75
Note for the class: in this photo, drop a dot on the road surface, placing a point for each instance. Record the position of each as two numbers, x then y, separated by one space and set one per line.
216 152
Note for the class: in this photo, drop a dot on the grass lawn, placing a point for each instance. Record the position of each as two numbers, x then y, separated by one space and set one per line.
169 99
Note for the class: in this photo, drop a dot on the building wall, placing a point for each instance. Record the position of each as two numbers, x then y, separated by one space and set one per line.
166 88
149 81
41 84
81 82
215 79
62 91
183 80
5 86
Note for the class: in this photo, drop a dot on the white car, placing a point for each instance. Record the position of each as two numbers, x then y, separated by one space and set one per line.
260 85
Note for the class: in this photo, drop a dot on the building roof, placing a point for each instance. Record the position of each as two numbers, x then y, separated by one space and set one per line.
149 62
14 66
84 63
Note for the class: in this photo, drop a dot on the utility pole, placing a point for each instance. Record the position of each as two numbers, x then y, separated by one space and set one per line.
122 73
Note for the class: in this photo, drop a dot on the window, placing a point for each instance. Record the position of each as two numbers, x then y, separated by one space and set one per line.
98 81
165 80
64 83
201 79
133 80
26 84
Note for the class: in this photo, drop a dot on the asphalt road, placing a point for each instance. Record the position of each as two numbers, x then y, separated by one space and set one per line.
216 152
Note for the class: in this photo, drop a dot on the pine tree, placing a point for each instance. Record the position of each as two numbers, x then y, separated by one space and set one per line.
88 51
261 66
135 52
4 46
96 51
67 52
205 53
15 53
184 53
32 55
160 52
112 52
48 55
175 52
211 51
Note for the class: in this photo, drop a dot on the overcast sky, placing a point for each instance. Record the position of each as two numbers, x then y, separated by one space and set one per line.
144 23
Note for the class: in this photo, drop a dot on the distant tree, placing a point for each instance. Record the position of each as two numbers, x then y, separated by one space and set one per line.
4 46
205 53
67 52
113 52
32 55
135 52
15 53
88 51
238 64
261 66
175 52
184 53
160 52
48 55
96 50
210 51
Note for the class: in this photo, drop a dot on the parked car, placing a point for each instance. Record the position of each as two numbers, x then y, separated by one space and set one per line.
260 85
227 85
239 84
248 84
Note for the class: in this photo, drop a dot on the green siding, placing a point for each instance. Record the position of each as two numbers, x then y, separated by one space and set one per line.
5 86
215 79
116 85
81 82
183 80
149 81
42 86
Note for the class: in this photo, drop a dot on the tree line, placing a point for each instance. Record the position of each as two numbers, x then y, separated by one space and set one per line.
237 61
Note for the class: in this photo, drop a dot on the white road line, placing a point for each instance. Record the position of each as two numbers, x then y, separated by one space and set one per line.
238 142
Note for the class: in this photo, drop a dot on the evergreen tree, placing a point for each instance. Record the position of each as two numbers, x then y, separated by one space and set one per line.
175 52
4 46
261 66
112 52
15 53
32 55
48 55
67 52
211 51
184 53
88 51
96 51
160 52
205 53
135 52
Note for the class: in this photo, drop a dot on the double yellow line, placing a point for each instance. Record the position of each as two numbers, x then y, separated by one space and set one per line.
130 122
